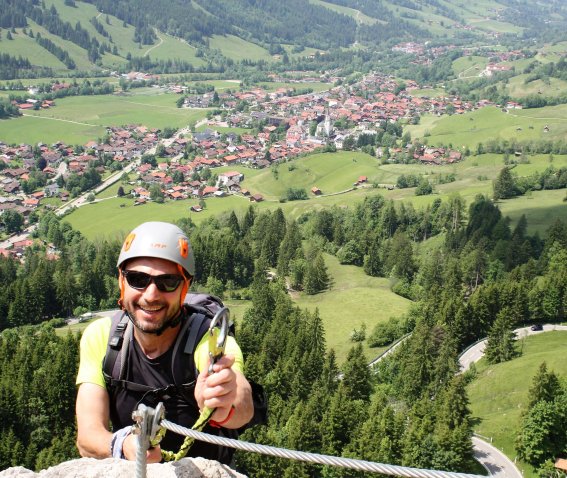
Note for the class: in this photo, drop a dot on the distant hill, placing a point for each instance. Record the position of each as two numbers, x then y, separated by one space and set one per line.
58 36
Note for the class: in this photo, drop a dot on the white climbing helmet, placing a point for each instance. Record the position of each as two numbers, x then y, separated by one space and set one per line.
161 240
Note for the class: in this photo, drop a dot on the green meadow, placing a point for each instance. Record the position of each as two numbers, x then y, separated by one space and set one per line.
171 48
499 394
36 129
426 19
22 45
517 87
79 119
331 173
467 130
238 49
428 92
306 52
469 66
495 26
353 299
472 10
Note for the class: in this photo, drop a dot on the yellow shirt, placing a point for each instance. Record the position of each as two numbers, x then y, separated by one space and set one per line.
95 340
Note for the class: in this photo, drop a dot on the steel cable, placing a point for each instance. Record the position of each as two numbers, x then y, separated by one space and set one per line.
361 465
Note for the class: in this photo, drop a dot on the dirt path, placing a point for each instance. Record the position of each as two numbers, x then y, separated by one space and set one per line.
155 46
60 119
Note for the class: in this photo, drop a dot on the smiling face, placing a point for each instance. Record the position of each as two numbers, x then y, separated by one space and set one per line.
151 310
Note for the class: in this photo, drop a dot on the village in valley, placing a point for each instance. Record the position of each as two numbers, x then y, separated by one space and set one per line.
283 125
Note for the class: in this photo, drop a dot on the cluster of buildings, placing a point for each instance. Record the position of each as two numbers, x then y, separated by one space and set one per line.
285 126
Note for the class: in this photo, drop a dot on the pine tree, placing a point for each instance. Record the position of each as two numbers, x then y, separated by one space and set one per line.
233 224
501 343
316 278
357 381
372 261
545 387
380 435
504 185
288 248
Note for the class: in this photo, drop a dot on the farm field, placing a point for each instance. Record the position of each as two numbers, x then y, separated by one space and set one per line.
499 393
428 92
331 173
79 119
35 129
480 126
496 26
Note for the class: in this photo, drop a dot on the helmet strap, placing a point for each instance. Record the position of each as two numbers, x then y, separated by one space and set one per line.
121 286
186 285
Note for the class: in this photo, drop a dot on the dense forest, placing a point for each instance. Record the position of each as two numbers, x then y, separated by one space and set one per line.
485 280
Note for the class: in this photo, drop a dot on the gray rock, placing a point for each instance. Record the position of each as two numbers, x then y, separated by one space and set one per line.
114 468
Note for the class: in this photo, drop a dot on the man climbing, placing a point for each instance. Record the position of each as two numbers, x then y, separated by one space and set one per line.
155 269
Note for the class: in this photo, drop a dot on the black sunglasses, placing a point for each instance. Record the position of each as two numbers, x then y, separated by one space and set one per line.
141 280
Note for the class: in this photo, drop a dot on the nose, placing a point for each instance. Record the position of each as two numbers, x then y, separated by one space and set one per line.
151 291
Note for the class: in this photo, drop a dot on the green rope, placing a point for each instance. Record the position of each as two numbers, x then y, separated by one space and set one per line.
203 419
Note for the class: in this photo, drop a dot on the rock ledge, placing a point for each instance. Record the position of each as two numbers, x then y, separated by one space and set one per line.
114 468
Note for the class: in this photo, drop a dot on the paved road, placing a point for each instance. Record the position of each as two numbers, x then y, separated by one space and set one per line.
497 464
474 353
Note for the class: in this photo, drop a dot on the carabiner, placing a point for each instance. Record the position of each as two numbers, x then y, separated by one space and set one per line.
218 334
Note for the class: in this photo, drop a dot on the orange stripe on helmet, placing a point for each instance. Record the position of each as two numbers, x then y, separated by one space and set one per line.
183 247
128 241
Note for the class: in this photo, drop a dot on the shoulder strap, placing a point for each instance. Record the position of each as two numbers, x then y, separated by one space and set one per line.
183 365
199 324
111 365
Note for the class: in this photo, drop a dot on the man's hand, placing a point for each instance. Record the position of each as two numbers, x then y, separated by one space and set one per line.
153 455
218 390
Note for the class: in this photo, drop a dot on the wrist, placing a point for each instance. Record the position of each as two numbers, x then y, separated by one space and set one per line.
216 424
117 442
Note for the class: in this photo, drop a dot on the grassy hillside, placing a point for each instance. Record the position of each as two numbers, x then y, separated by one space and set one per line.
26 47
469 66
354 299
518 88
499 394
481 125
331 173
238 49
171 48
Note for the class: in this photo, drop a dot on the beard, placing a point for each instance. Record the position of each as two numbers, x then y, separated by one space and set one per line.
171 319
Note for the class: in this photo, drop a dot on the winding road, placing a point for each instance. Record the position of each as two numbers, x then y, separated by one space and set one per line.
491 458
